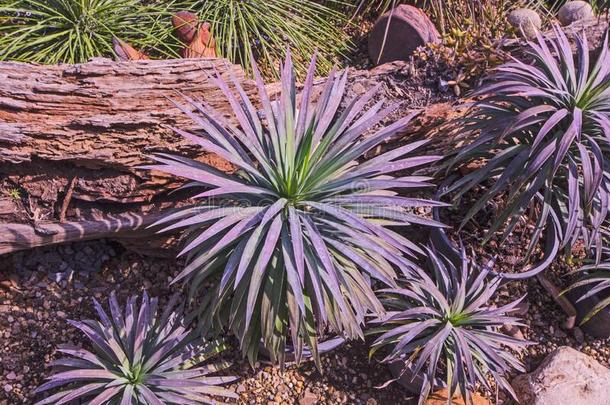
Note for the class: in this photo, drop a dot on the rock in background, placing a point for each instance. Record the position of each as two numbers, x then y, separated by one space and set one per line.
566 376
574 11
408 29
526 20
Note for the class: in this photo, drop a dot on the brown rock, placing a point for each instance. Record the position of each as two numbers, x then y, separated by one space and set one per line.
309 398
440 398
195 35
185 23
566 376
526 20
573 11
125 52
203 46
408 29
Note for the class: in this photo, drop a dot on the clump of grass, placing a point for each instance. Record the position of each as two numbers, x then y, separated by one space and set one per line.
263 28
74 31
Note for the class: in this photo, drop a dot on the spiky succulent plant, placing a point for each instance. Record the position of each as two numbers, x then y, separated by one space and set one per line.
137 357
544 135
444 326
293 239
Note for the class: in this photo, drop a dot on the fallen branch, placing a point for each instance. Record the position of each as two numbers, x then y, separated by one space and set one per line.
563 302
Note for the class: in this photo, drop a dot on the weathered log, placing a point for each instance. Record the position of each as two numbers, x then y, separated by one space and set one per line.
97 121
125 226
72 137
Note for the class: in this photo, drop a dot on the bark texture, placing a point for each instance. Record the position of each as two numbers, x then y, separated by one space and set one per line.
72 137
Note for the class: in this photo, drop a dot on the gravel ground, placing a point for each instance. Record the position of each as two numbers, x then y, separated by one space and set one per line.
54 284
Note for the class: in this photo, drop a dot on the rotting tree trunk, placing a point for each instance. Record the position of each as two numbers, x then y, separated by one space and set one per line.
100 118
72 137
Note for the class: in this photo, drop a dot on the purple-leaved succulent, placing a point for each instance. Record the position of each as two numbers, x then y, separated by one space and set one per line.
288 244
544 137
444 329
138 356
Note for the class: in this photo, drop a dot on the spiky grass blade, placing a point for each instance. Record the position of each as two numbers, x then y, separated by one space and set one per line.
261 29
74 31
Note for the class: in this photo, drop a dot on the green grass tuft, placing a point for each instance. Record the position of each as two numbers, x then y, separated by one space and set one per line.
74 31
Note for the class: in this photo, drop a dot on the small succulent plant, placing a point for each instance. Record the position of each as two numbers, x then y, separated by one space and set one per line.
543 129
444 326
291 240
137 357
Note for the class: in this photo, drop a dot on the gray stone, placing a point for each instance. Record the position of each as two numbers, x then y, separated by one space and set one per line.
309 398
408 29
526 21
574 11
566 376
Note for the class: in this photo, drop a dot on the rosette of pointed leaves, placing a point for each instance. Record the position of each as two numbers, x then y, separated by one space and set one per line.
544 135
137 357
444 329
292 240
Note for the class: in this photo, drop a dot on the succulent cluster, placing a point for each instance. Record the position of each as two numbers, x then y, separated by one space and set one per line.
292 240
444 324
139 355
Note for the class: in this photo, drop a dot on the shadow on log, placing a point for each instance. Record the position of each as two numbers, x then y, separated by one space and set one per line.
22 236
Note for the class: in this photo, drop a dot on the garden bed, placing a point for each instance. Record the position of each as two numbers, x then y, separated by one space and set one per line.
57 283
320 213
